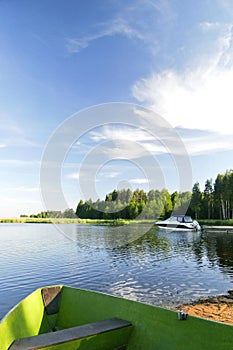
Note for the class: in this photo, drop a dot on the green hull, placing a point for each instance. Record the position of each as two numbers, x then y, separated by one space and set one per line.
152 327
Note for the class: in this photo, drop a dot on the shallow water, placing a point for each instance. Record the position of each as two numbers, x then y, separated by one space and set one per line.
158 267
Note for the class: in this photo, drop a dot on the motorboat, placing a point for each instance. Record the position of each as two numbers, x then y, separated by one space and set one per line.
179 222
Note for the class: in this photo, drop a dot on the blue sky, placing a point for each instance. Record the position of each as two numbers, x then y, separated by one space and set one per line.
59 57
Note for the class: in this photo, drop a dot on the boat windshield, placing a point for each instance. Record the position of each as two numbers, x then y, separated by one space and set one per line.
188 219
181 218
172 218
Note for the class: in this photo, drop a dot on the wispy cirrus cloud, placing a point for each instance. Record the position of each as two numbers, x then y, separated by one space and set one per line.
127 140
207 25
10 125
117 26
120 132
136 21
20 163
139 181
205 142
196 141
14 135
73 176
20 189
110 174
22 142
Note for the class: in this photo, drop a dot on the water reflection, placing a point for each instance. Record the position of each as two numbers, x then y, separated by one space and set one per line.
206 250
166 267
224 252
97 236
143 249
157 267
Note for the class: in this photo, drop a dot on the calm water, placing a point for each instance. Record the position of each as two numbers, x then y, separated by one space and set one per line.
158 268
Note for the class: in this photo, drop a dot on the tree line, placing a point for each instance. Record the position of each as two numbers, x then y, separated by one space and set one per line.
214 202
127 204
53 214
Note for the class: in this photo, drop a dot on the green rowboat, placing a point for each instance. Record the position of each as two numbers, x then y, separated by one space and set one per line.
65 318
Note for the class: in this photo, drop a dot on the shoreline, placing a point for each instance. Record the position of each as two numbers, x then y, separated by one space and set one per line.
116 222
215 224
216 308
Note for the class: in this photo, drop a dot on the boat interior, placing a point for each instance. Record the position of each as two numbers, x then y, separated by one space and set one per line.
67 318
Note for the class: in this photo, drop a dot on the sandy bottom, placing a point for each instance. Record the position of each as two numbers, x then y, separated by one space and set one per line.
216 309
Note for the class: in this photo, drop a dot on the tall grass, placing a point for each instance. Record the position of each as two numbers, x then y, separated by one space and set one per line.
212 222
117 222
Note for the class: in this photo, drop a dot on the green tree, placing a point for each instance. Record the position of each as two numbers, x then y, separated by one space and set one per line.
167 202
69 213
218 197
196 200
208 200
174 198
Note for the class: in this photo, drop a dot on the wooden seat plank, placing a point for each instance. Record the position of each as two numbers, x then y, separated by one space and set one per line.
69 334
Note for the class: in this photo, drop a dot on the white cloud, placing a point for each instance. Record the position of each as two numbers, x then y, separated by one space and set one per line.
120 132
211 143
199 97
139 181
20 189
209 25
137 21
117 26
126 141
73 176
20 163
122 150
110 174
156 147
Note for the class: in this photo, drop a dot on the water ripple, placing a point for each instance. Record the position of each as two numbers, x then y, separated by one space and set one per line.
158 268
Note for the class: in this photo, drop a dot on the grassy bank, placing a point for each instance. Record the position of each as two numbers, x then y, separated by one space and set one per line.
216 222
118 222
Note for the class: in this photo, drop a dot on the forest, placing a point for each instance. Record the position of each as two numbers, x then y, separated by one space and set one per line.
214 202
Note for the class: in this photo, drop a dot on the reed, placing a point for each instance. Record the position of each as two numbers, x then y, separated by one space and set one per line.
213 222
117 222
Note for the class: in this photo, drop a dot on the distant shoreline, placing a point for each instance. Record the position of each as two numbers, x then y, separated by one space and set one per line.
117 222
107 222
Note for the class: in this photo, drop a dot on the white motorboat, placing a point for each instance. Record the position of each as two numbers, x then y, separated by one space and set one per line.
179 222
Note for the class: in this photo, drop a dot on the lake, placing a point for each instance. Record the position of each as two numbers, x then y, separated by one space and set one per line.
158 267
